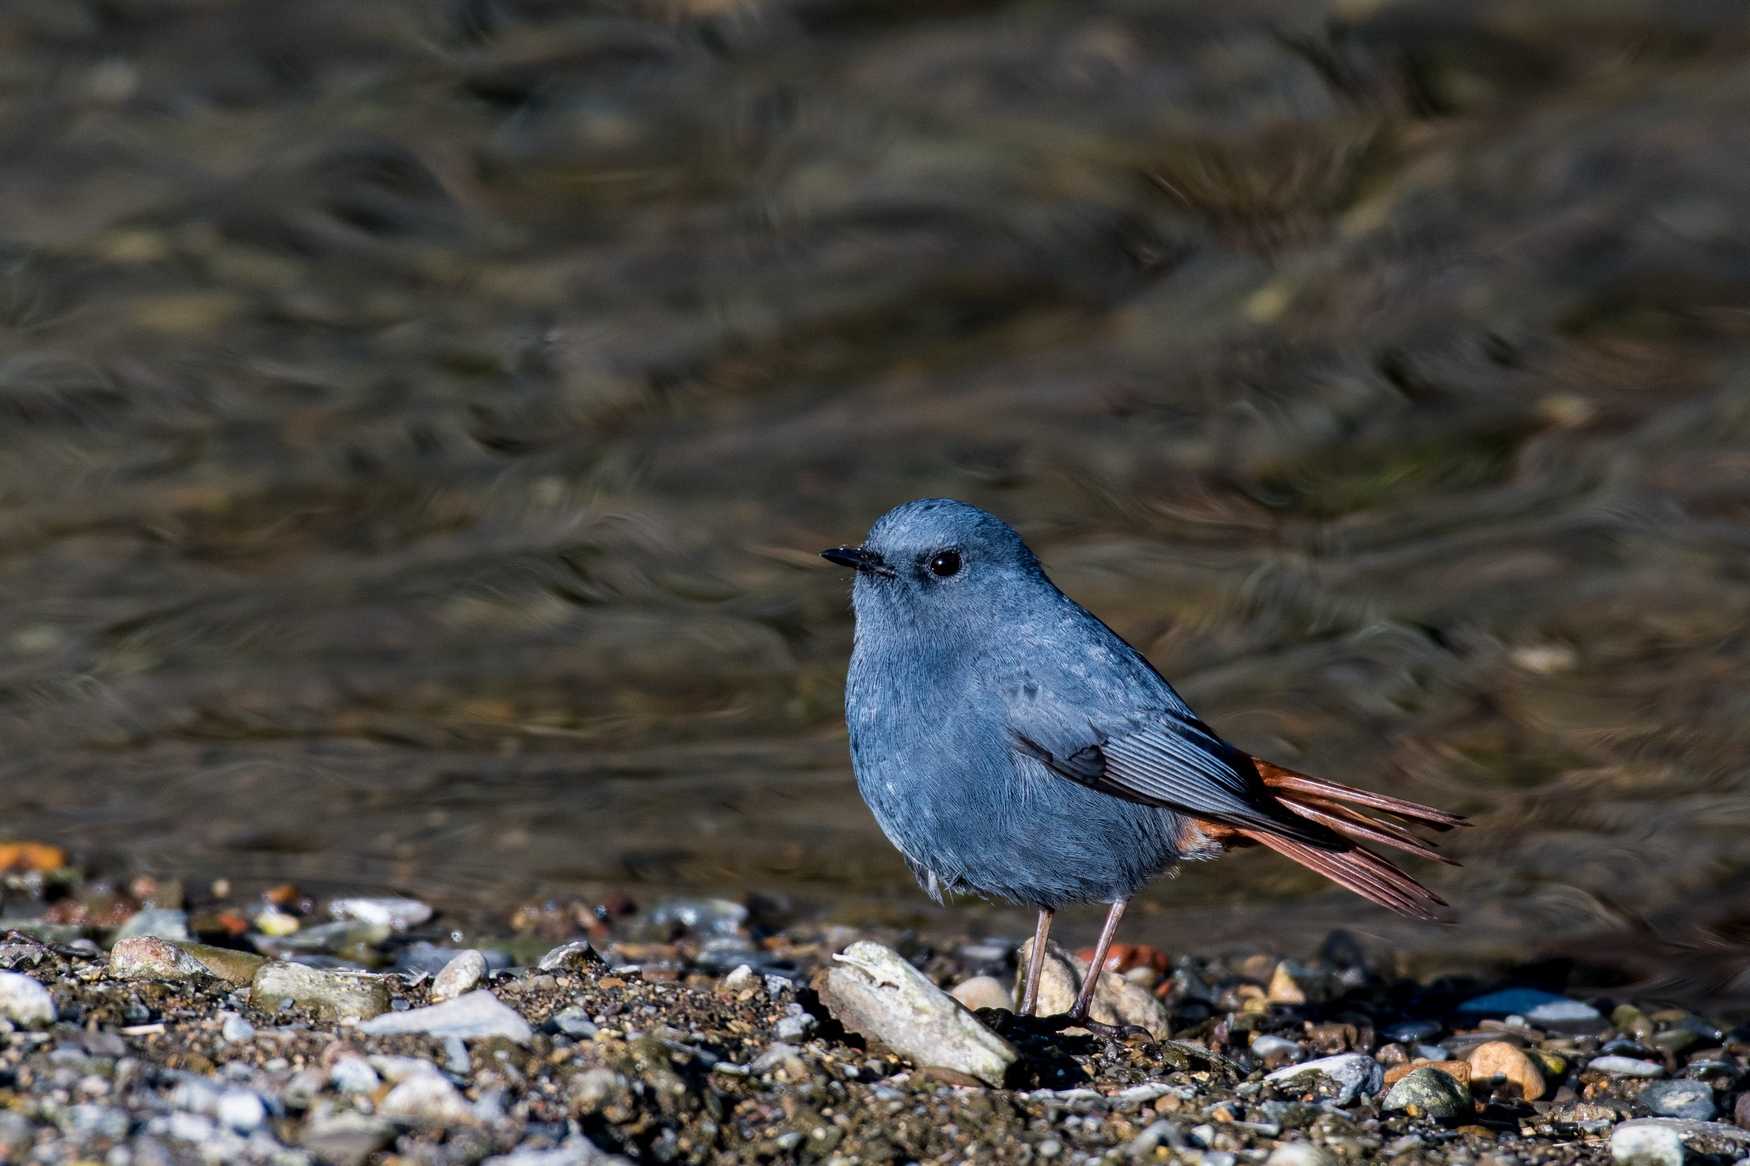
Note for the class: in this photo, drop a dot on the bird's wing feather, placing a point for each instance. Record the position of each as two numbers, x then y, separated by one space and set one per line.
1160 757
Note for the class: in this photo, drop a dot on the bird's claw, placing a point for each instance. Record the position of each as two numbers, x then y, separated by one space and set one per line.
1113 1032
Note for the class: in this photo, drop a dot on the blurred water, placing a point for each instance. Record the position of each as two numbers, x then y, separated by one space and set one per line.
417 422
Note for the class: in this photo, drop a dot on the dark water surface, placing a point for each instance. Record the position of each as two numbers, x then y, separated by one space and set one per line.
417 422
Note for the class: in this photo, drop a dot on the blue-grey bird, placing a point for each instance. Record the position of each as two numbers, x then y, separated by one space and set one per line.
1013 746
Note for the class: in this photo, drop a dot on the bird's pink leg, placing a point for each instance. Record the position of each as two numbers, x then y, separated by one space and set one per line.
1036 963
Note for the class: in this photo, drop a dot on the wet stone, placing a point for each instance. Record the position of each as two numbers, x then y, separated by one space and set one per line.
573 956
397 914
1429 1093
1341 1078
1500 1063
1693 1100
1634 1144
1626 1067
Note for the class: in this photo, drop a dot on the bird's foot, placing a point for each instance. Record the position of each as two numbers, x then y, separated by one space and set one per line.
1113 1032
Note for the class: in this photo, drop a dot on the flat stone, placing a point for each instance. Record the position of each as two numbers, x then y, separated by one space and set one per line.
461 975
1429 1092
1341 1078
571 956
476 1016
330 995
1116 1000
25 1002
154 958
873 991
347 1139
1497 1062
1626 1067
1693 1100
397 914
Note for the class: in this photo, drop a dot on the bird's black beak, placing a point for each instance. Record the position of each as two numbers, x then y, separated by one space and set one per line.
859 558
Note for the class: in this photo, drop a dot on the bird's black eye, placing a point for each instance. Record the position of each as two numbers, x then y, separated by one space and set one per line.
945 563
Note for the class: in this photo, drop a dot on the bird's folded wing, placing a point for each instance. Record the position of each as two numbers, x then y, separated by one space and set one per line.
1161 758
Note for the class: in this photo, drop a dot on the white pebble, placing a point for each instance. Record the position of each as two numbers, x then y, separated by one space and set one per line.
25 1002
241 1110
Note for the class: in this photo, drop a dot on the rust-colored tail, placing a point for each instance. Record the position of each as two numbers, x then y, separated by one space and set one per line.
1344 810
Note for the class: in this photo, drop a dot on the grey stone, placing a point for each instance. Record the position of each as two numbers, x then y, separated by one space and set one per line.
873 991
1410 1032
1266 1047
719 917
1634 1144
574 1022
427 1099
163 922
1716 1138
330 995
476 1016
152 958
1300 1154
241 1110
1429 1093
85 1121
1341 1078
351 1073
1693 1100
1116 999
1626 1067
25 1002
397 914
233 1029
16 1133
347 1139
569 957
458 977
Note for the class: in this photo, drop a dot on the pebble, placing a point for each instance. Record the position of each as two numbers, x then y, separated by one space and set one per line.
795 1024
397 914
1626 1067
574 1022
1634 1144
25 1002
241 1110
346 1139
461 975
351 1073
163 922
1300 1154
16 1132
330 995
233 1029
1412 1032
1340 1078
718 917
574 1151
742 977
983 992
873 991
427 1098
1499 1061
1116 1000
1429 1092
1693 1100
1275 1048
154 958
478 1015
571 956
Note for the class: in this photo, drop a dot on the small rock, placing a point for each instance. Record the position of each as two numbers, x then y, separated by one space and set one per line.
351 1073
1412 1032
983 992
574 1022
347 1139
153 958
1692 1100
233 1029
477 1016
1284 988
163 922
1741 1110
1429 1093
795 1024
719 917
17 1132
1634 1144
873 991
330 995
1458 1070
573 1151
1275 1050
428 1099
1498 1062
25 1002
461 975
1299 1154
276 923
396 914
571 956
742 977
1340 1078
1626 1067
241 1110
1116 1000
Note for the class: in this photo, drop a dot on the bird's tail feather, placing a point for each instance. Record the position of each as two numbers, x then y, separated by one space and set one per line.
1352 814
